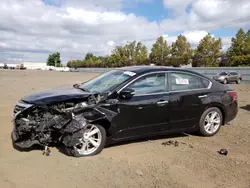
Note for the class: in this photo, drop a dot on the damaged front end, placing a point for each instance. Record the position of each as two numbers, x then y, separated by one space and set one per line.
48 125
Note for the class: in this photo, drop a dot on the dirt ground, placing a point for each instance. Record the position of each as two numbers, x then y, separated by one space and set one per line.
137 164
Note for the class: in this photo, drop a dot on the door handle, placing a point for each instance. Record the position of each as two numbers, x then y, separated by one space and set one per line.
202 96
162 102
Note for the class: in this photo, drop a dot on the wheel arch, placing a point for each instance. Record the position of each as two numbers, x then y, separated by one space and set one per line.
221 108
105 124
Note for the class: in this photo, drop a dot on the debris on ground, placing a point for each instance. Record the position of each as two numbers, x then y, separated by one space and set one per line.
175 143
139 173
170 142
223 152
46 151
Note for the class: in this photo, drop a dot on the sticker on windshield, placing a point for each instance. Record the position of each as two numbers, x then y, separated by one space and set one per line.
181 81
129 73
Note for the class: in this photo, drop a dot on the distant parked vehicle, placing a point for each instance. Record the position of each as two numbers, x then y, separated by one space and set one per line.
5 66
228 77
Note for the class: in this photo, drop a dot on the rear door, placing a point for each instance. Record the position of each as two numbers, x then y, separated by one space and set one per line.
188 99
232 77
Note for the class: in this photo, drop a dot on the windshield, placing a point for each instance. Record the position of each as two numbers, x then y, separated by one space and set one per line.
223 73
106 82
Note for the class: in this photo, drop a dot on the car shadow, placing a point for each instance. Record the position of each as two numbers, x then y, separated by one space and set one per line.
247 107
62 150
151 138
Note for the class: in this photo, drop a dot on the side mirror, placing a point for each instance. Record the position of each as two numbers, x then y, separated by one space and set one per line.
126 93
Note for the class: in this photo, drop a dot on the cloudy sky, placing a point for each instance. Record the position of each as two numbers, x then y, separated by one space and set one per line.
31 29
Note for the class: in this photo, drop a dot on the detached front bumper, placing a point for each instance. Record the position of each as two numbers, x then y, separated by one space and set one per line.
16 141
22 144
19 108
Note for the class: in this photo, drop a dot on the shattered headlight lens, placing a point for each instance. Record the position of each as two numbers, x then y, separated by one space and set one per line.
81 105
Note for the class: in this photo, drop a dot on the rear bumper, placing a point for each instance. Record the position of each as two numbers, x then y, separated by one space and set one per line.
231 112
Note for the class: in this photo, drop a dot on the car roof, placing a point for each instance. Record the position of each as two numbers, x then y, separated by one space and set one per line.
148 68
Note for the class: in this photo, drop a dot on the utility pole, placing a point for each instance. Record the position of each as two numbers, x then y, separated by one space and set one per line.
161 54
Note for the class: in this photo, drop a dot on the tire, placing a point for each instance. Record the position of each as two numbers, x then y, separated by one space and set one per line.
238 81
203 129
74 151
225 81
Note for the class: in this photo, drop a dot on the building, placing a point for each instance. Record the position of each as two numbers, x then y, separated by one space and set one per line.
9 65
35 65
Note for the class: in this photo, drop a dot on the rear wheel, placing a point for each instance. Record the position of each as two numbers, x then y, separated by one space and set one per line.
210 121
91 143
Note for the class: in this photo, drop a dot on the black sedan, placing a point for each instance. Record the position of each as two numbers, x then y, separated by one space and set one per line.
125 103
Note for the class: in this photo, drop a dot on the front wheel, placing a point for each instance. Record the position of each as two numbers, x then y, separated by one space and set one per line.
238 81
225 81
210 121
91 142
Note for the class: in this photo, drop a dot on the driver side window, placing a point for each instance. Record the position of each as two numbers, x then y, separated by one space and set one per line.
149 84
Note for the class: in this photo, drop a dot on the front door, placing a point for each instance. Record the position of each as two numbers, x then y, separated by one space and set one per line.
189 96
147 112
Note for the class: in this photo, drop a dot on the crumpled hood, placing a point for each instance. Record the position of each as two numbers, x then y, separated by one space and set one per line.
57 94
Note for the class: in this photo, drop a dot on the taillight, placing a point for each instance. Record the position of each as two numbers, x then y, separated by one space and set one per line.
233 94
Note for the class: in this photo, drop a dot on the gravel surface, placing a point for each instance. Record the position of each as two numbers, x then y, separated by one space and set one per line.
134 164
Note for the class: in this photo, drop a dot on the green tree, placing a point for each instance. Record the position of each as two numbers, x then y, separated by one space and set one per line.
121 56
54 60
130 50
238 43
89 56
239 52
160 52
208 52
132 53
141 54
181 52
247 43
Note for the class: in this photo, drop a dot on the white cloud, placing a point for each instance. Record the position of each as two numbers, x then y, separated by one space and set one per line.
33 29
178 6
194 37
30 29
219 13
226 41
111 43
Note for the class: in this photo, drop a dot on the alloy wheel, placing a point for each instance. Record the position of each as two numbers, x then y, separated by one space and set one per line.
212 122
90 141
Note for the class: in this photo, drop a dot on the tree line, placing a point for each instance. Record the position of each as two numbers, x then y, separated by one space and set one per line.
208 53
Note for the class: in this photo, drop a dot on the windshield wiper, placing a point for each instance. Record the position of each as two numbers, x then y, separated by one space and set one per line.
77 86
83 89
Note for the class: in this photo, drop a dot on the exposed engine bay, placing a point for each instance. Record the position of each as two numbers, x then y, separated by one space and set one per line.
48 125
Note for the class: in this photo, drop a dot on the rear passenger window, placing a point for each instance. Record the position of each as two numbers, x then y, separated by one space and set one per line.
184 81
234 73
